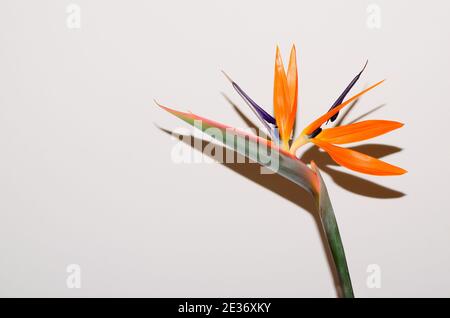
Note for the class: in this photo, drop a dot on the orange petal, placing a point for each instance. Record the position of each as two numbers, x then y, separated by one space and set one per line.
292 80
358 161
281 102
319 121
357 132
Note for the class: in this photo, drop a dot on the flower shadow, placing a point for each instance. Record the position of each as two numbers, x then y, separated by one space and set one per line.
351 182
252 171
274 183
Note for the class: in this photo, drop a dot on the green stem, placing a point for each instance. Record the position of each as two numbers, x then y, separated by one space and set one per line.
331 230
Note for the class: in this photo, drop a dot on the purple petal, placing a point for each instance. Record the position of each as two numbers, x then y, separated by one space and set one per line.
267 120
345 92
260 112
264 115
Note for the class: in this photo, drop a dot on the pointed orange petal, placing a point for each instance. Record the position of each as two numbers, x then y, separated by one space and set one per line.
292 80
281 101
357 132
319 121
358 161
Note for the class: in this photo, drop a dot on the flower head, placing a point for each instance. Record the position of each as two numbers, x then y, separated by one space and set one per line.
280 127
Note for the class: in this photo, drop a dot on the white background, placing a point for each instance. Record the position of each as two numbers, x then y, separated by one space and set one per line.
86 175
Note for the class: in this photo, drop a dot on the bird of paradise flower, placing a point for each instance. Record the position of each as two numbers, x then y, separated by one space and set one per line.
281 142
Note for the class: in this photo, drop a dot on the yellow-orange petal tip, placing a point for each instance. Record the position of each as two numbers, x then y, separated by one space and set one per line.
227 76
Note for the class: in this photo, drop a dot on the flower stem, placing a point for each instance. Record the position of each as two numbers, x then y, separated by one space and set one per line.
331 230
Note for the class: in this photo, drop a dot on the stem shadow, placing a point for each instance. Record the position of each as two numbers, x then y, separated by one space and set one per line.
274 183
